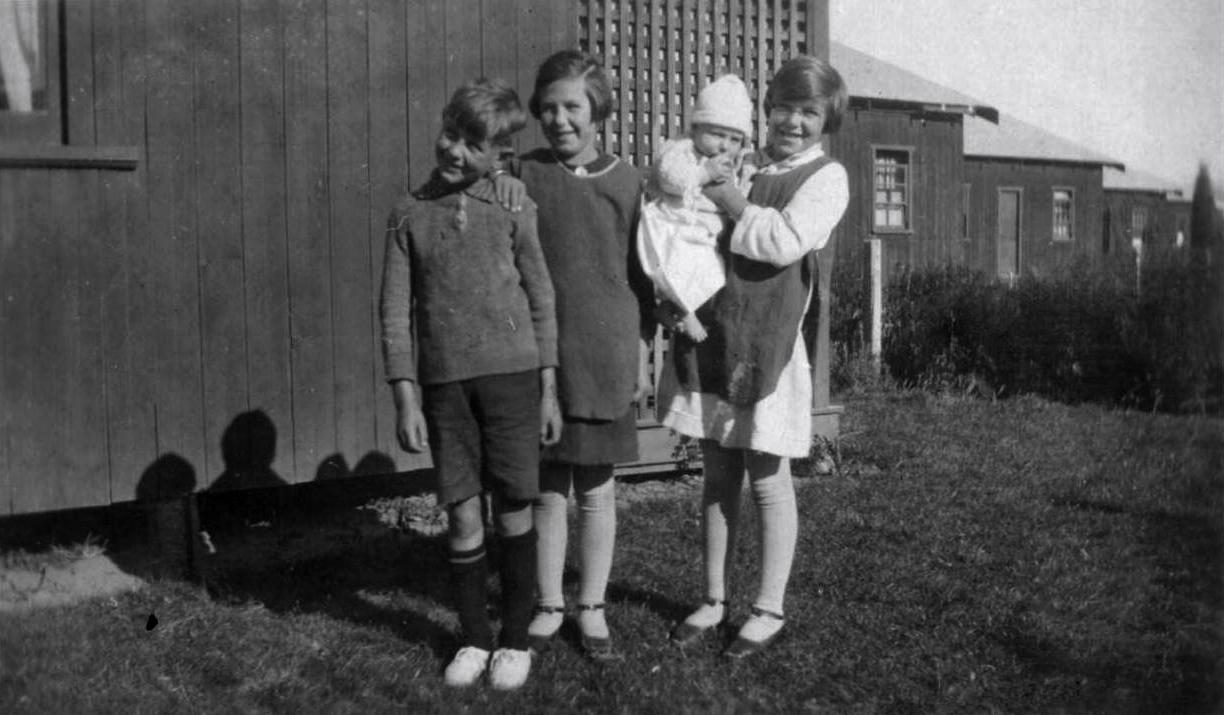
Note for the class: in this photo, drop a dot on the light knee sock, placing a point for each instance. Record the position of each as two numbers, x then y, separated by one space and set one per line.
549 513
596 493
723 480
774 494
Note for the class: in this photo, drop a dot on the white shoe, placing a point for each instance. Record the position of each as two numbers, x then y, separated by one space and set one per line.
509 668
467 666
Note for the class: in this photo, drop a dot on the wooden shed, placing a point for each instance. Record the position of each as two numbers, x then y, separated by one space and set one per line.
902 145
192 205
1034 200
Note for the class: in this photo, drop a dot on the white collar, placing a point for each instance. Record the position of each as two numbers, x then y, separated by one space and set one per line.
811 153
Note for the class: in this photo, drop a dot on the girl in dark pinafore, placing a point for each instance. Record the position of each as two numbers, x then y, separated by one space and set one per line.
746 391
588 212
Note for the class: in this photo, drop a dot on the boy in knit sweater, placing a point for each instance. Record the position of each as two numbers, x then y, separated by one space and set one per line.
470 343
679 230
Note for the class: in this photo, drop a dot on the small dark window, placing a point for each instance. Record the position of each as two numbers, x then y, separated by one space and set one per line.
966 196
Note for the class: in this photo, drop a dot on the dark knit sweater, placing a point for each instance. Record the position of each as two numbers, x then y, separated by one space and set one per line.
604 300
464 294
754 319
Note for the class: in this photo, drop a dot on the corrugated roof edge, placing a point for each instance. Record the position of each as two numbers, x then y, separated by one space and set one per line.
873 80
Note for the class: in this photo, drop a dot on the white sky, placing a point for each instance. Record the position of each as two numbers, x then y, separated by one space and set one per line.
1138 80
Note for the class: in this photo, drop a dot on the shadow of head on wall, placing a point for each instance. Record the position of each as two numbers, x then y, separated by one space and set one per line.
248 447
373 463
169 476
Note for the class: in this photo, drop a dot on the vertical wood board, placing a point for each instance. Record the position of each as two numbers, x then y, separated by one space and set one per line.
308 225
349 194
218 209
265 236
388 181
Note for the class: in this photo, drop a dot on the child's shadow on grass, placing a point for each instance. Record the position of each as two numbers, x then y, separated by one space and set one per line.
666 608
392 580
619 595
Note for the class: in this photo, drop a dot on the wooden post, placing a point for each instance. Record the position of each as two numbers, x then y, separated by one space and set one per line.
172 534
1137 244
826 418
875 276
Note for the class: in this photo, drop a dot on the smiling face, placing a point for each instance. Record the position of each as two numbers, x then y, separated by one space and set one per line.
712 140
565 118
461 159
794 126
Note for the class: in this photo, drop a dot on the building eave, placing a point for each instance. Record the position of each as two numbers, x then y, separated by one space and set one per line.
981 111
1046 160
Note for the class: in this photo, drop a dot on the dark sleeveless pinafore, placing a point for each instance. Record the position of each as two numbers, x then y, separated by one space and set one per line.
752 322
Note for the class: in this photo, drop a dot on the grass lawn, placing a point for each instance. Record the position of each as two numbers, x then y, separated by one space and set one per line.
1015 557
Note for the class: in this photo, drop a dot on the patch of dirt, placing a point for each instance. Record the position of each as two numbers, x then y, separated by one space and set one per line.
29 586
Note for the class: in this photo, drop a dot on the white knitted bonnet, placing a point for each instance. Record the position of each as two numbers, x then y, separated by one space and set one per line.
725 103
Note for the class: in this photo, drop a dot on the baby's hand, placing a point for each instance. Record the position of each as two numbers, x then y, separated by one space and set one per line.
693 328
720 168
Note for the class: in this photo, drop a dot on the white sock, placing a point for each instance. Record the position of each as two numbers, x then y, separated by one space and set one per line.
595 491
550 518
723 478
774 494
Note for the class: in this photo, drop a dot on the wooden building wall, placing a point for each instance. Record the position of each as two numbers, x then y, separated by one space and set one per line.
936 142
223 289
1166 218
1039 253
188 279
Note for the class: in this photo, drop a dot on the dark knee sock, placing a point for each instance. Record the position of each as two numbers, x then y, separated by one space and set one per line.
518 567
469 581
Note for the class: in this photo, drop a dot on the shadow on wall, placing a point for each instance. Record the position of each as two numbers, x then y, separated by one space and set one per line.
334 466
248 490
168 477
248 447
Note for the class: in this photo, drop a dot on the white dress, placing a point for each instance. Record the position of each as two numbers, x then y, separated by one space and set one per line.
677 235
779 423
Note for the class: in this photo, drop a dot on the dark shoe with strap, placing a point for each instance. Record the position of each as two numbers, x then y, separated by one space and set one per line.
541 643
596 647
743 647
686 633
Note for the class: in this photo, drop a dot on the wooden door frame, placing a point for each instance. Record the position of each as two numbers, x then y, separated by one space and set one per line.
1019 191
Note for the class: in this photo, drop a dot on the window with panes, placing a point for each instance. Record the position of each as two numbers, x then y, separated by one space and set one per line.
1139 223
893 190
29 77
1064 215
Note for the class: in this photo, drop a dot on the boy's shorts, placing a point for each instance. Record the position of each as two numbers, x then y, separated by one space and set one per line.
484 434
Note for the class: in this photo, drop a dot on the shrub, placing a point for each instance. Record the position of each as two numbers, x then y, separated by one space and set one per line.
1083 335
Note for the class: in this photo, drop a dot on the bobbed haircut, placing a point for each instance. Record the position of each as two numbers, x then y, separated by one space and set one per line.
485 110
803 78
568 64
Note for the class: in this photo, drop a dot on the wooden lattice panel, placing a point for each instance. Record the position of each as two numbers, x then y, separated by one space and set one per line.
659 53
